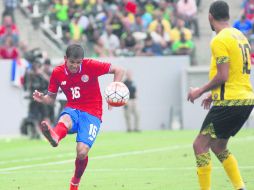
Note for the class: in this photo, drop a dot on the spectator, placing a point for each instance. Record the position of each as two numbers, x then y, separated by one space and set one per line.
249 10
159 19
110 41
187 10
61 11
138 25
115 22
9 8
128 20
131 7
83 21
8 50
146 18
244 25
8 31
100 50
131 110
167 9
150 48
8 23
36 111
251 40
178 29
76 31
128 44
161 37
99 8
150 6
182 46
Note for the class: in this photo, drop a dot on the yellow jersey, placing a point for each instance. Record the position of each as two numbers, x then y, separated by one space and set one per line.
232 47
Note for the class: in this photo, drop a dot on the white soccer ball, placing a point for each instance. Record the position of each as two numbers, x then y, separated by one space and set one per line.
117 94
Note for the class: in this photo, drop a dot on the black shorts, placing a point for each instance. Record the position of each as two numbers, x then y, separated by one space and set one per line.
225 121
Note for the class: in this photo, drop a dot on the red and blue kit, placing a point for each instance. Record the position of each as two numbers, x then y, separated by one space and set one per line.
82 88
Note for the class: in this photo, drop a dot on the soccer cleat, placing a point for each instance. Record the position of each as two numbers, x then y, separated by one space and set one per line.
49 133
73 186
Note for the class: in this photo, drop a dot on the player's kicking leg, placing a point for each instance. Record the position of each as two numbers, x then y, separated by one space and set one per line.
49 134
54 135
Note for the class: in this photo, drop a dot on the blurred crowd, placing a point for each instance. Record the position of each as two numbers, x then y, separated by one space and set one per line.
245 23
9 35
125 27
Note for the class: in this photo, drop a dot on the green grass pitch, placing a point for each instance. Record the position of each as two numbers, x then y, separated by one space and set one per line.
151 160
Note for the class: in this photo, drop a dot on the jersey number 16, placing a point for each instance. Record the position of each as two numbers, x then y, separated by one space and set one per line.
75 92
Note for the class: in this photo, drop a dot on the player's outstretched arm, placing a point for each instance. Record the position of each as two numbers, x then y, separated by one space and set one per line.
118 73
45 99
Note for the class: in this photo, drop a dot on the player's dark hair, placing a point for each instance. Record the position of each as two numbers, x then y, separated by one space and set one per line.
219 10
75 51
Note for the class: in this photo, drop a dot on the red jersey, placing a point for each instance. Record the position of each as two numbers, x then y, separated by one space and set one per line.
82 88
3 29
8 52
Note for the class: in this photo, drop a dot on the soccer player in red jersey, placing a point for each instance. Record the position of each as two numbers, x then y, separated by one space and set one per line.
78 79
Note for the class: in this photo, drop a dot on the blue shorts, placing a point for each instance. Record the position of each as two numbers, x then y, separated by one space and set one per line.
84 124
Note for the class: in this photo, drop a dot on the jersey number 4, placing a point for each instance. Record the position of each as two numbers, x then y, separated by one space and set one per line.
75 92
245 48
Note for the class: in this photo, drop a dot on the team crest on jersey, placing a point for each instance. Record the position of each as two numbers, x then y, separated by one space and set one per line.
85 78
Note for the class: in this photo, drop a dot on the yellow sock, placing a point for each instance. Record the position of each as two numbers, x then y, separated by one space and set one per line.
204 168
231 167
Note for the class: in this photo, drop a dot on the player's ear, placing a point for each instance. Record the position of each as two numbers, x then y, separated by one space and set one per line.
210 17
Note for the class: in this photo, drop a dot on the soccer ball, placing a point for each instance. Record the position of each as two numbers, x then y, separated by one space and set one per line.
117 94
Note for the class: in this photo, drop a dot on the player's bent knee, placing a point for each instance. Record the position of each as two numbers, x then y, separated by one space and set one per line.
66 119
199 147
82 155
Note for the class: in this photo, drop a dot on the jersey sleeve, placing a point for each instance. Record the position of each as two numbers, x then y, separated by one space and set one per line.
220 51
53 83
99 68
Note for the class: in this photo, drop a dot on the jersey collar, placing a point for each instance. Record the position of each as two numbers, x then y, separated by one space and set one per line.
67 72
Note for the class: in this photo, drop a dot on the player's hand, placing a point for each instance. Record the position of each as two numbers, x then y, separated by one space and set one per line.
207 101
193 94
38 96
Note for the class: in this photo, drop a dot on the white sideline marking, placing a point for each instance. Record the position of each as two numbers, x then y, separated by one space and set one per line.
71 154
3 170
125 170
98 157
36 159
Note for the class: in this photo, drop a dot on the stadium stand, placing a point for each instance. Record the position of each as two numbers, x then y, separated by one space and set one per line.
125 25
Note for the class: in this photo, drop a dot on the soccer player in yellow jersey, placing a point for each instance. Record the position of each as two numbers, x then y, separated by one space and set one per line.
231 94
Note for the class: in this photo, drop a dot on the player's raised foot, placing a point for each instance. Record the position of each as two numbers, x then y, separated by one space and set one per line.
73 186
49 133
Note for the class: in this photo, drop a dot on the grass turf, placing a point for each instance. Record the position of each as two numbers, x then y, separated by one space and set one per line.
151 160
